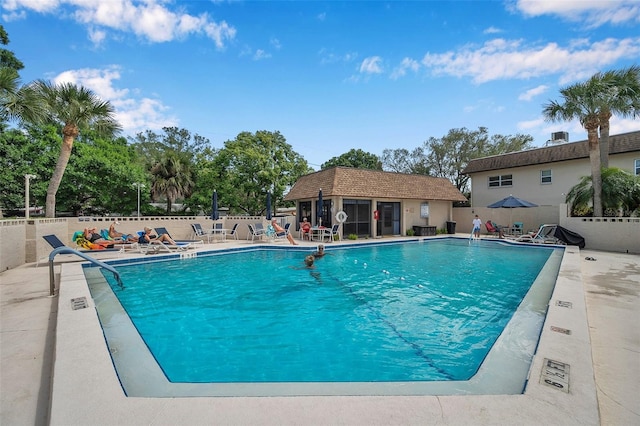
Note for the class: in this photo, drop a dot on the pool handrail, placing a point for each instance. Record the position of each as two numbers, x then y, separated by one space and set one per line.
69 250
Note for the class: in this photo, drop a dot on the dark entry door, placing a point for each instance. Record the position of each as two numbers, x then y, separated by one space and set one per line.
388 219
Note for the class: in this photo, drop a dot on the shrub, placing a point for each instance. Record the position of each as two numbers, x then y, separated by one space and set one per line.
353 236
410 233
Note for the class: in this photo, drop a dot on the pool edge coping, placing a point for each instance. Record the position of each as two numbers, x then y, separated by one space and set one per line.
85 387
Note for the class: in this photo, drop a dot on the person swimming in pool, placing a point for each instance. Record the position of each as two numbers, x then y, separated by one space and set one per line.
308 261
319 252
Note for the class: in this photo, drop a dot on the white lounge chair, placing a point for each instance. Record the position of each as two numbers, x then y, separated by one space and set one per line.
543 236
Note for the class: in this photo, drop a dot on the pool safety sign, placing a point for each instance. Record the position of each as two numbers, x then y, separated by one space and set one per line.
424 210
555 374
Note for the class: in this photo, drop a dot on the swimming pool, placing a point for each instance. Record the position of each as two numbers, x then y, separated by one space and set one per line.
365 314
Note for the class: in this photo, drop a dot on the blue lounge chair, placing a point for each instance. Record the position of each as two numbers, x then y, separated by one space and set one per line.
179 243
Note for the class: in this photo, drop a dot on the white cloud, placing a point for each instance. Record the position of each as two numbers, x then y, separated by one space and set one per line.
593 13
510 59
531 93
275 43
623 125
328 57
135 114
371 65
97 36
150 19
406 64
39 6
492 30
530 124
261 54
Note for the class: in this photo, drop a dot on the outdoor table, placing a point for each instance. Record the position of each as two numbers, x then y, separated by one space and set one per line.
219 232
317 233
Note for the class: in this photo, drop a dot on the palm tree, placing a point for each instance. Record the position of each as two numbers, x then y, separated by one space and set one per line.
582 101
172 177
620 191
18 102
74 108
620 95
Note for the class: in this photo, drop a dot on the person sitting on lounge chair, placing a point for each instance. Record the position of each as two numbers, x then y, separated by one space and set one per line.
93 236
148 237
116 235
494 229
280 231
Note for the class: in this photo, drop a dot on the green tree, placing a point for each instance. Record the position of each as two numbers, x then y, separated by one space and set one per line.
355 158
7 58
249 166
620 192
448 156
29 151
172 178
73 109
402 160
205 179
582 101
17 102
171 159
100 177
620 95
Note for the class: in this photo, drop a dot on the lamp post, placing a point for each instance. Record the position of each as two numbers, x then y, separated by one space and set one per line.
26 194
139 185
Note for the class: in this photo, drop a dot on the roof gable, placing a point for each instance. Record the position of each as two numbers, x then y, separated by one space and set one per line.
618 144
365 183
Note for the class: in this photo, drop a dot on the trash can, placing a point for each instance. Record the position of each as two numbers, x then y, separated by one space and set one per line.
451 227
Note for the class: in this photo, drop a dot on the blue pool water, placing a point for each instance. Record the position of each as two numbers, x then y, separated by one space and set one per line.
384 313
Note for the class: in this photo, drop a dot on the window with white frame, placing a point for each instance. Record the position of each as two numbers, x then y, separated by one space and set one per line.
502 180
545 177
637 167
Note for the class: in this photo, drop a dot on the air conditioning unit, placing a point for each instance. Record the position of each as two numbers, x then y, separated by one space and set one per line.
559 137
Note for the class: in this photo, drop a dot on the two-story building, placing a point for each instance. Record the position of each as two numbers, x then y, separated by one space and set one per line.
545 175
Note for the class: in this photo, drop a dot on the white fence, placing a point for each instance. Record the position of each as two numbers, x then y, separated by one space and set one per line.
615 234
21 240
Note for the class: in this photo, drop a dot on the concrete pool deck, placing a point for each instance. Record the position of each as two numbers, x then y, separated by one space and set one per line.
86 395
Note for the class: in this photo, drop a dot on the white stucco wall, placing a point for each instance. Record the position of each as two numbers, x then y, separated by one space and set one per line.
526 181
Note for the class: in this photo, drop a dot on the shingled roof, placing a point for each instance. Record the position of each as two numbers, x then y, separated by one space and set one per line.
364 183
618 144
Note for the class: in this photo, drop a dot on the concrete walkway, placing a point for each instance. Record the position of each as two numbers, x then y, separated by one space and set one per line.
612 284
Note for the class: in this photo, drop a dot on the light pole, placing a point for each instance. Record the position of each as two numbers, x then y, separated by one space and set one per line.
26 194
138 185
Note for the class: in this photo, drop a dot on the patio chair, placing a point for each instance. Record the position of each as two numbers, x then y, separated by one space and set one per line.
492 229
200 233
330 233
161 231
55 243
272 234
233 233
254 232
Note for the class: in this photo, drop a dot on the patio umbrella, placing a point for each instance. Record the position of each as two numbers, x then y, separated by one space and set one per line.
319 209
214 206
268 205
511 202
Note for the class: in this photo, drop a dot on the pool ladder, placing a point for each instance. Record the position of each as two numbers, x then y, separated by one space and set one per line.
69 250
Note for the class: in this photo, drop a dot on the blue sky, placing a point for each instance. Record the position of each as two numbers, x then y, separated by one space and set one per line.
328 75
